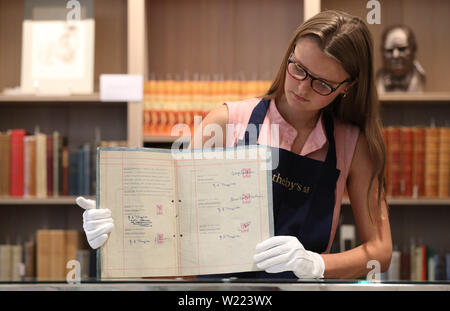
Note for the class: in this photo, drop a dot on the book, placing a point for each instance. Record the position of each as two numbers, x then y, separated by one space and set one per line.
65 167
5 263
431 264
29 166
30 259
407 157
394 271
57 149
17 162
418 174
444 163
41 165
5 160
49 156
431 161
43 255
17 264
57 255
187 212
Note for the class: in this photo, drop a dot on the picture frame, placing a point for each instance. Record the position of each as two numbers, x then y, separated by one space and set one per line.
57 52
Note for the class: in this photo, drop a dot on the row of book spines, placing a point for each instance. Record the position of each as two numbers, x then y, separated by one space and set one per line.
54 249
418 161
421 263
46 257
202 87
161 122
41 165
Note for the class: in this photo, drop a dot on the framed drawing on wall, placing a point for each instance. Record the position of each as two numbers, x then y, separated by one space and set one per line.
57 52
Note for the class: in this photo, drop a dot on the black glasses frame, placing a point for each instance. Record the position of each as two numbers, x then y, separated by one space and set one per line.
313 78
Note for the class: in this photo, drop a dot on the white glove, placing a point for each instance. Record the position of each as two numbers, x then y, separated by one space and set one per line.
286 253
97 223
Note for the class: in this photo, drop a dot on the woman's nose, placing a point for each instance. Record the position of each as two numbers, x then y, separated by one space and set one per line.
304 86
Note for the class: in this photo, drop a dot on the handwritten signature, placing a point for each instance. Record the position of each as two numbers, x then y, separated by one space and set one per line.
142 221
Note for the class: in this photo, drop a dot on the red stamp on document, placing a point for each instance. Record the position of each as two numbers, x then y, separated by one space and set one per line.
246 172
246 198
159 209
245 226
159 238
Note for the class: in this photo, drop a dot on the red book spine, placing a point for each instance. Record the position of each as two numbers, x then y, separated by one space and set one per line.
49 165
424 263
17 162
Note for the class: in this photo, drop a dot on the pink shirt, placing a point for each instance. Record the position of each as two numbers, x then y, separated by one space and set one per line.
315 147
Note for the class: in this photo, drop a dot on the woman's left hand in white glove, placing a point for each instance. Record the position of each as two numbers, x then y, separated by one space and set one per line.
286 253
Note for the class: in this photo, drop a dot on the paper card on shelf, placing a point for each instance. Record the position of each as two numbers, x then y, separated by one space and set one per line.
181 216
121 87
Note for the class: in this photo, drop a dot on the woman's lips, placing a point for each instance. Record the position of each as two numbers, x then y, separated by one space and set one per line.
299 98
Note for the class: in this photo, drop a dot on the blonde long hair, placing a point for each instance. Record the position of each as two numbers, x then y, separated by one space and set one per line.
346 39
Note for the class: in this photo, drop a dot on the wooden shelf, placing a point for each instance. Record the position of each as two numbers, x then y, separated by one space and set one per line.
95 97
441 97
63 200
407 201
164 139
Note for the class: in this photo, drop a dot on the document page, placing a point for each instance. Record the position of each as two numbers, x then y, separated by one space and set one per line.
190 213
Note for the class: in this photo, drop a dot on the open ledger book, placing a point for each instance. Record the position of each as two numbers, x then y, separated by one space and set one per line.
181 213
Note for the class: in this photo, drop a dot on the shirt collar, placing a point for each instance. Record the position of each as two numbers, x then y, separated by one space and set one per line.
316 139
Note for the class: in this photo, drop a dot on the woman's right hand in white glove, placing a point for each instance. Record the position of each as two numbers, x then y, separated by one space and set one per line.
97 223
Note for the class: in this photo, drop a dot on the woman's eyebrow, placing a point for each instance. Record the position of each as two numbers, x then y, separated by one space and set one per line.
315 76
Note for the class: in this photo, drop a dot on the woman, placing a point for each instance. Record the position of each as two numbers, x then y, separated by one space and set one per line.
325 103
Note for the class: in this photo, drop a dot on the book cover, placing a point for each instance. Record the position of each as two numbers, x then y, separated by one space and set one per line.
17 162
5 163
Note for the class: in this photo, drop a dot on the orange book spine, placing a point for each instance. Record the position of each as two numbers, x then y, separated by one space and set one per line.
431 161
418 161
406 161
444 163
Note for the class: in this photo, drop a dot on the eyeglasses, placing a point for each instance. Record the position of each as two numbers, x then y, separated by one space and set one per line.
319 86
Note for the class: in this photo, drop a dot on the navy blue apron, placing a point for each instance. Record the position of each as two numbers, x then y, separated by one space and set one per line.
303 194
